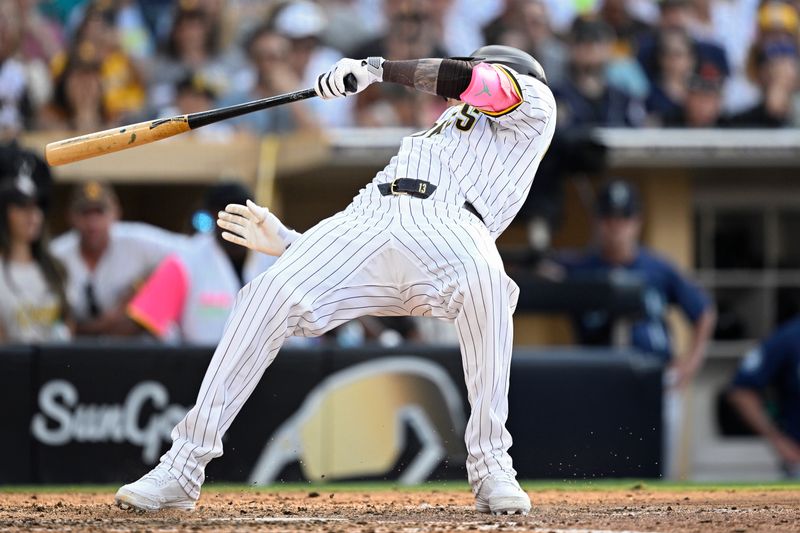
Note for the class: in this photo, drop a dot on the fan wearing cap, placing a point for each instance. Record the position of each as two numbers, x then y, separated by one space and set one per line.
618 224
702 105
33 304
588 97
774 66
188 297
302 23
194 94
106 259
678 15
271 73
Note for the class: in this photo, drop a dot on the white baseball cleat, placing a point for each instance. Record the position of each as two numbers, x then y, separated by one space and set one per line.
155 491
500 494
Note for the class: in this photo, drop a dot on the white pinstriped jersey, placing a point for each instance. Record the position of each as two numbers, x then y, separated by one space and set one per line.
395 256
472 156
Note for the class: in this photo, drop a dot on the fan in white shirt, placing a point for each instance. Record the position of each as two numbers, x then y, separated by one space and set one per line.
106 259
32 303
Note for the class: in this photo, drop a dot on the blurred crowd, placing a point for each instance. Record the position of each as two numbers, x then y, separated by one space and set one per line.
90 64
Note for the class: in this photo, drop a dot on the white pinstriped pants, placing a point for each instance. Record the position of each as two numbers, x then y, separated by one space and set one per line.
391 256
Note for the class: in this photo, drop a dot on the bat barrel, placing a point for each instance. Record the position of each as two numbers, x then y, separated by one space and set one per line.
113 140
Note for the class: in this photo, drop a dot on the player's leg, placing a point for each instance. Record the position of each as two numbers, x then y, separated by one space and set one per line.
282 301
482 299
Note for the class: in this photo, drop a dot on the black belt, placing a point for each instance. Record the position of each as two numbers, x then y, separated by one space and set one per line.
400 186
418 189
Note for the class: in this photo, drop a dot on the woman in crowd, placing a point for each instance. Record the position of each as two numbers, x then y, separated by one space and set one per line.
78 98
675 66
97 40
192 47
33 304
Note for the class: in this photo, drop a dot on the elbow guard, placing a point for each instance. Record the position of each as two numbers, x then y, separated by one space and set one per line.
454 77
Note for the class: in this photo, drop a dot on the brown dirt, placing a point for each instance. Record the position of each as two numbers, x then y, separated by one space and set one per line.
731 511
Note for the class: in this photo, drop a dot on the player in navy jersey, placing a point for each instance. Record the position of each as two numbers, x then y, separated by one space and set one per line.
619 225
775 364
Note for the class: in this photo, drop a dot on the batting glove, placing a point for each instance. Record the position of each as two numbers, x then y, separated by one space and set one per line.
365 72
254 227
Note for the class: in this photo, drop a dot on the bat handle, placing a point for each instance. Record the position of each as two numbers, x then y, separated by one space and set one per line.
350 84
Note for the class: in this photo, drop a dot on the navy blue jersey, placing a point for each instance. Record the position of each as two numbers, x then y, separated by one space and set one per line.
776 363
664 286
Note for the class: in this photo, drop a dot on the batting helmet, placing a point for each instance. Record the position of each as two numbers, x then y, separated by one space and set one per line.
521 62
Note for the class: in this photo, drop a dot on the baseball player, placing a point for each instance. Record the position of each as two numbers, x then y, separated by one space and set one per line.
417 241
775 364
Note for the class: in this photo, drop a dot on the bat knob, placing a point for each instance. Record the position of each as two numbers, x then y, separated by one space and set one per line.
350 83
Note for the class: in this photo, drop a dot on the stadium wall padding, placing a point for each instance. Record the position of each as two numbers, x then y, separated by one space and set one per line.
102 413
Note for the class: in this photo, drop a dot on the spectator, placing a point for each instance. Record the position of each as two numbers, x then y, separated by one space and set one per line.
78 101
302 22
16 106
192 48
731 26
774 365
619 225
189 295
347 26
676 65
627 28
624 71
411 37
526 25
458 23
271 75
41 39
702 106
33 305
193 95
106 259
587 98
97 40
773 66
678 15
562 14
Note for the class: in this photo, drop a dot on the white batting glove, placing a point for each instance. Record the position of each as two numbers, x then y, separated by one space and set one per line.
254 227
365 71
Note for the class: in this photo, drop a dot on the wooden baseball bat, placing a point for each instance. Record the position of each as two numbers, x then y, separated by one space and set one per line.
122 138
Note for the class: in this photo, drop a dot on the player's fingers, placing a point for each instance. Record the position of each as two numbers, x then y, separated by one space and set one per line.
235 239
338 81
257 213
231 226
320 88
328 84
241 210
233 219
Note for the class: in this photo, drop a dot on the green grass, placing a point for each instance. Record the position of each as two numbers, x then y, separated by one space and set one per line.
578 485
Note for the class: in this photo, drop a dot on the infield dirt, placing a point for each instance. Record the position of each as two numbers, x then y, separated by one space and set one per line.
639 510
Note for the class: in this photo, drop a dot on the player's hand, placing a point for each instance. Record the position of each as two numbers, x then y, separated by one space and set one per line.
683 373
788 449
253 227
332 84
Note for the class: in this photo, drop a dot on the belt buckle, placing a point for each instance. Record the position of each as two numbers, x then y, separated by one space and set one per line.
394 191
